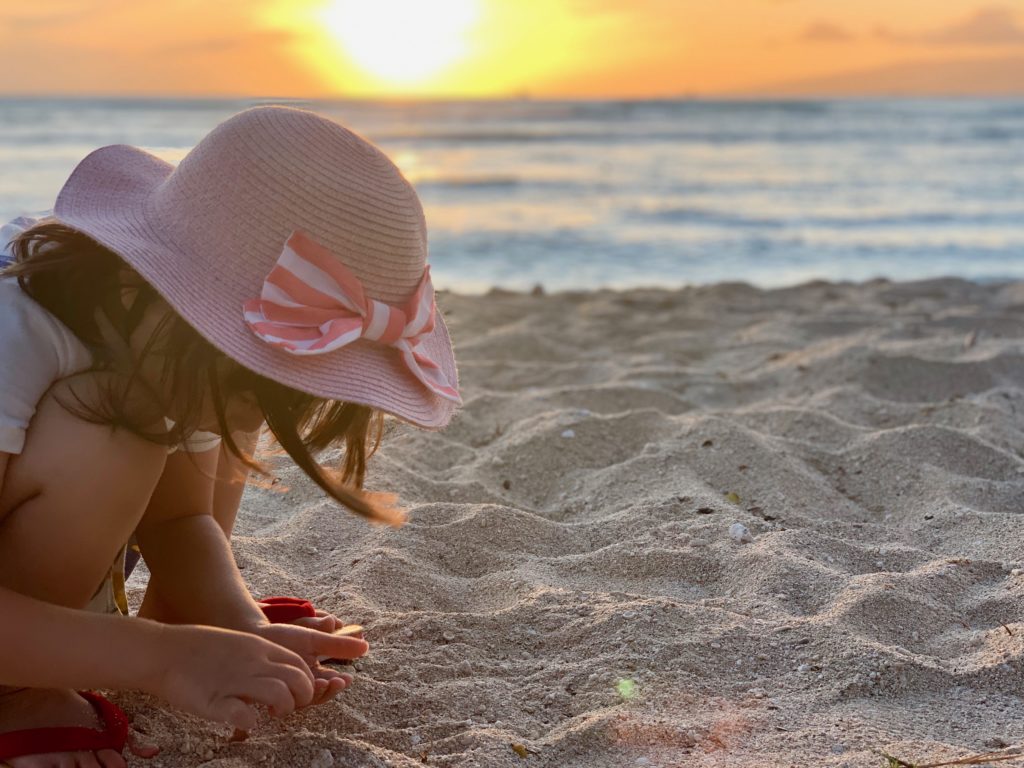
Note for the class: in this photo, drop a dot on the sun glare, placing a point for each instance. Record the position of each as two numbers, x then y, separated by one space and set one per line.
402 42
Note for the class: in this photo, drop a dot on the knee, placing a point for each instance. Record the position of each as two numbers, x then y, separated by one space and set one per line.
69 502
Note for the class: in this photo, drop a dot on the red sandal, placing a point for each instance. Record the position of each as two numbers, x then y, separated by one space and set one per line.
39 741
284 610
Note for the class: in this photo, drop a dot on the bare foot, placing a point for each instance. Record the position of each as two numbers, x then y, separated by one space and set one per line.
38 708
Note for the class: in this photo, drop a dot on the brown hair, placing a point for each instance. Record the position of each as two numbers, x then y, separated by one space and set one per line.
85 285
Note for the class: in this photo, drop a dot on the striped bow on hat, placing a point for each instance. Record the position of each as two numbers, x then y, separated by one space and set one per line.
311 304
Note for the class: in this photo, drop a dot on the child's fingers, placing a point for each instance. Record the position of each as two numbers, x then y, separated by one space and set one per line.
329 683
299 680
320 623
281 655
327 690
337 685
234 712
336 646
273 692
329 673
320 688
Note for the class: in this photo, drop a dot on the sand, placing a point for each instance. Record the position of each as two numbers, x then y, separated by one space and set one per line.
712 527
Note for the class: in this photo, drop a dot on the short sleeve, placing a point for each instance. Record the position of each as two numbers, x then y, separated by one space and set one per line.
30 361
12 229
8 232
35 349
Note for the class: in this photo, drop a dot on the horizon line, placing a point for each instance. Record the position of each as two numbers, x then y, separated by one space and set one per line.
435 98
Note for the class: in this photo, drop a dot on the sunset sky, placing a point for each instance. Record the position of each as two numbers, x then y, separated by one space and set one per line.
497 48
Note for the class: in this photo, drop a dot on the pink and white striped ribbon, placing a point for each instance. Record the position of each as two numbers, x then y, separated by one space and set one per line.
312 304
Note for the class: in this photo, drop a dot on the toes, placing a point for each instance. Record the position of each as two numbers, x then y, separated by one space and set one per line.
110 759
86 760
48 760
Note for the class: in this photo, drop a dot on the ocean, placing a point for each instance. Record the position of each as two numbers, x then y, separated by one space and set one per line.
587 194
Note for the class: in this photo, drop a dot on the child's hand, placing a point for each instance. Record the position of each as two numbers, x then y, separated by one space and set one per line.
323 621
316 642
220 674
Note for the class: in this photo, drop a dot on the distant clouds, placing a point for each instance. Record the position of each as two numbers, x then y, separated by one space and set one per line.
825 32
219 44
992 77
56 13
990 26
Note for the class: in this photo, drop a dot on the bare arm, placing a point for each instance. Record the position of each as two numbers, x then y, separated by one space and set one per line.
213 673
231 477
189 557
107 651
79 514
195 579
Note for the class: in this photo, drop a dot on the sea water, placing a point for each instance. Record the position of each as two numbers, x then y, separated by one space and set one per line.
585 194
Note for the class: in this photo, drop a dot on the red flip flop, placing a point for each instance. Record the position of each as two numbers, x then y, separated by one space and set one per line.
39 741
283 610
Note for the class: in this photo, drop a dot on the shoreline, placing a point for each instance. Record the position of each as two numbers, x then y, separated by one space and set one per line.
539 289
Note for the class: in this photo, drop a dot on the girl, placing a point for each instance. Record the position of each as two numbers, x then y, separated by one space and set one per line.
277 274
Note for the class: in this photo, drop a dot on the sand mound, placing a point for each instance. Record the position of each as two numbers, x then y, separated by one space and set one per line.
568 593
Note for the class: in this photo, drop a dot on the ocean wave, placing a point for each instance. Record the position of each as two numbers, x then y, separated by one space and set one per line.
712 217
472 182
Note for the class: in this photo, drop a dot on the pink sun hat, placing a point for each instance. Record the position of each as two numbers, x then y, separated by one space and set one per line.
293 245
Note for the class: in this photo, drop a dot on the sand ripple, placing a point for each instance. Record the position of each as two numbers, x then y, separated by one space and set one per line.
567 586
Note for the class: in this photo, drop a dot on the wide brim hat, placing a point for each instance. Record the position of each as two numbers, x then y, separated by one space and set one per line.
207 232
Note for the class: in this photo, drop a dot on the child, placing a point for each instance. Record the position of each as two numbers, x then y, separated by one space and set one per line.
277 274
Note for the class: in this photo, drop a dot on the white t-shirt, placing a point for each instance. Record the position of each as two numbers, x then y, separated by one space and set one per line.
37 349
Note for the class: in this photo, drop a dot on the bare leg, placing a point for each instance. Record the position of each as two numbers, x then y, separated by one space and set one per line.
68 503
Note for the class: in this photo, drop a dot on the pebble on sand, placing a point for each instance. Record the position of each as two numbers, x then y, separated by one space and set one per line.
739 533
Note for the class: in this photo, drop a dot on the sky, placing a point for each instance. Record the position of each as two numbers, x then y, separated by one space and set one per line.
502 48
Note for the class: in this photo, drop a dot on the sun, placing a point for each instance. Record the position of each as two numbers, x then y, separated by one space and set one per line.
401 42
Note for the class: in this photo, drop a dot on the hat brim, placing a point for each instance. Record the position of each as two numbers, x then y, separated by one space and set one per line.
110 197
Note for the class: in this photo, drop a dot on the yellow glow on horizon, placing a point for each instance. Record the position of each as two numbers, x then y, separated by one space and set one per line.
401 42
506 48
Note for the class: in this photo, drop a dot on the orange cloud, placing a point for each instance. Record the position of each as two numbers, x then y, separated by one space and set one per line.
994 26
824 32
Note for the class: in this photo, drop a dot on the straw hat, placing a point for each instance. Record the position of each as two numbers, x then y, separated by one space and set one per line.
207 233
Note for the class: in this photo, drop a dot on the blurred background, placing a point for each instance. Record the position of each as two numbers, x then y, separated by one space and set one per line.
580 143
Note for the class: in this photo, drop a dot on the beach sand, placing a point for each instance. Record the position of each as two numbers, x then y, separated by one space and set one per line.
717 526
